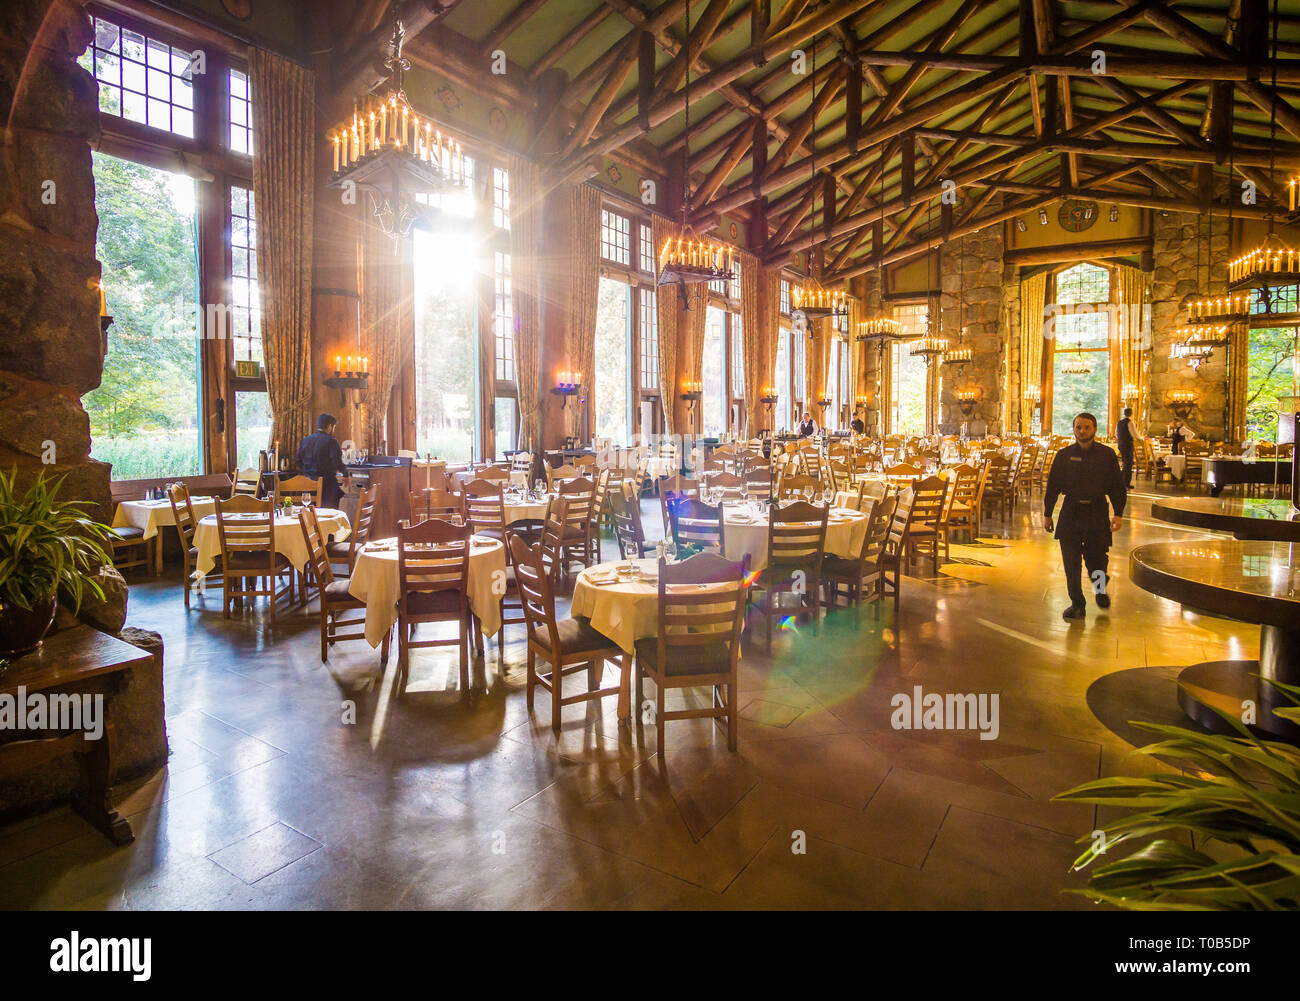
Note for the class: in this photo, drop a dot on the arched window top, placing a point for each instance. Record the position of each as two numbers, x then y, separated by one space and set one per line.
1083 283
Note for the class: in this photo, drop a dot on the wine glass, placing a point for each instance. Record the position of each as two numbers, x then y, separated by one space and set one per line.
670 549
306 499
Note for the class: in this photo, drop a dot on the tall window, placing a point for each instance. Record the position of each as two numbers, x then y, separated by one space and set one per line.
245 320
1273 364
910 375
503 331
612 377
615 237
240 108
781 412
800 372
649 340
785 297
446 340
144 417
1081 354
714 405
646 242
737 359
142 79
500 198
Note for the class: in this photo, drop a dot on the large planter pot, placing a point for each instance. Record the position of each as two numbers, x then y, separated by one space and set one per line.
22 629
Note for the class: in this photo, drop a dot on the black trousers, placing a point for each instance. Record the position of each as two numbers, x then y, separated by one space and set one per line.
1091 549
1126 460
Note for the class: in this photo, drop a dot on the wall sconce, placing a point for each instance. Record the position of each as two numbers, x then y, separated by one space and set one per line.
566 385
824 402
351 377
1181 402
1020 225
967 400
1128 392
1034 394
692 393
1042 217
1114 213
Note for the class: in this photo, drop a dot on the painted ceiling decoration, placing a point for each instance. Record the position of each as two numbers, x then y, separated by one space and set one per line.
1014 107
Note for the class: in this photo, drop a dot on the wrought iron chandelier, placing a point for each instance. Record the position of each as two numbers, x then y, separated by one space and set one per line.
1076 365
392 153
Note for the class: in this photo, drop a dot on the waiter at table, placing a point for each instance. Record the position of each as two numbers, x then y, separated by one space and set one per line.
807 426
321 457
1125 436
1087 473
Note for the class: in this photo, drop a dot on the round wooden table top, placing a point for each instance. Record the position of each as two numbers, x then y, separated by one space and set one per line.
1251 581
1273 520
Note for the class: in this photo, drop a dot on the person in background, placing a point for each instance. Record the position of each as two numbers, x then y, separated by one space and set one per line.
1125 436
1179 433
859 424
320 457
1087 473
807 426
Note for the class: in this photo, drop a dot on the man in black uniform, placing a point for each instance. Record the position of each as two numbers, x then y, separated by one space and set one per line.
859 424
1124 437
320 457
1086 473
807 426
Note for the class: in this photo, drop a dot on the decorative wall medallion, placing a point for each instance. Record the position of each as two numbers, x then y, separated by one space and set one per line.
734 231
614 173
240 10
1075 214
449 99
497 119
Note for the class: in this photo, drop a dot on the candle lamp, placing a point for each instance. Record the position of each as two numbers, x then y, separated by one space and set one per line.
814 301
351 377
1181 402
686 261
967 400
567 384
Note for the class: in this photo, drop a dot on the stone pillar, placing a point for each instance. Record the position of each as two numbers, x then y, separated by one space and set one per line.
973 295
51 343
1175 238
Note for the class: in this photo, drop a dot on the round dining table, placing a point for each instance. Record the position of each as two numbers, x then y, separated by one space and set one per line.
289 541
375 581
1251 581
1261 518
747 533
151 515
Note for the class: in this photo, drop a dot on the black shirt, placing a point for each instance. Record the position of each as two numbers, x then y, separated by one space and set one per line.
320 455
1124 434
807 428
859 426
1086 477
1176 438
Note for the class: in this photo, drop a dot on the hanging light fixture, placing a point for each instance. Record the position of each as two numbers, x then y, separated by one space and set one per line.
392 153
1076 365
961 354
932 346
688 259
878 326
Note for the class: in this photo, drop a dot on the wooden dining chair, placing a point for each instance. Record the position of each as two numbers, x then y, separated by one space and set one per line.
247 483
567 645
680 486
248 553
863 576
701 612
999 485
798 485
434 502
335 598
796 543
485 508
294 487
928 531
841 475
345 553
186 523
494 474
723 481
559 474
575 539
599 515
758 483
695 523
433 586
629 535
964 501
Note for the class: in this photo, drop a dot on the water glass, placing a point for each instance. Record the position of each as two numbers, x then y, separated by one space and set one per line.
306 499
670 549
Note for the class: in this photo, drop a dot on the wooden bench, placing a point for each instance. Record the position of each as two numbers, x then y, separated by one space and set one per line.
77 661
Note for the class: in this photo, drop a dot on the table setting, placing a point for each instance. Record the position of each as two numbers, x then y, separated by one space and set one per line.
289 541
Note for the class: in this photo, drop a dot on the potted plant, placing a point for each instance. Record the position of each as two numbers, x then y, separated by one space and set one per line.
1225 832
46 546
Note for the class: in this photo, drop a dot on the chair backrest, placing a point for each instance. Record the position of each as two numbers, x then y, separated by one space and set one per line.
840 473
1198 447
536 595
317 555
246 483
696 523
758 482
928 502
682 485
435 503
365 516
557 514
723 481
581 497
701 602
293 486
901 474
964 482
798 485
521 462
628 533
998 475
494 474
878 522
811 462
586 464
901 523
560 473
432 556
796 535
485 507
182 512
251 535
599 501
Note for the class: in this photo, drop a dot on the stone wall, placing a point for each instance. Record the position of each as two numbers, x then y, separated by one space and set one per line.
51 344
973 294
1175 241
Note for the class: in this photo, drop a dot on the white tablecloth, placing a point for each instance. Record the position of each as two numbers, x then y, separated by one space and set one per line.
375 581
288 537
844 534
149 516
526 509
625 611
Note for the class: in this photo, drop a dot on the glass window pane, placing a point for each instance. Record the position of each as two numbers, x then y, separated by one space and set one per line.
446 341
1075 393
252 427
1270 373
613 341
714 405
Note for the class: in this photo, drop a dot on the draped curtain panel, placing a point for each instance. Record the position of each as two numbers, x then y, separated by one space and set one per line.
691 323
584 290
1134 337
1238 358
769 318
854 355
1033 297
754 337
666 309
284 106
525 204
387 323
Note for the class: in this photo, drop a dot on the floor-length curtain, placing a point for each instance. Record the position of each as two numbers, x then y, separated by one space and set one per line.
584 291
769 304
1133 336
666 310
1033 297
525 204
854 357
284 107
387 324
754 338
691 324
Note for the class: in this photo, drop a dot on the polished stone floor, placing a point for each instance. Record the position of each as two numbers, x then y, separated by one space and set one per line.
275 798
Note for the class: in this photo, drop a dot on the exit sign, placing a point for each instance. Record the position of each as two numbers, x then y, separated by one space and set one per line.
248 369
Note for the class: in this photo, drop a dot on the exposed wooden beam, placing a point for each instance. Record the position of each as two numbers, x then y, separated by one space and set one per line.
571 38
507 25
1059 253
603 97
723 168
361 69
